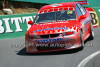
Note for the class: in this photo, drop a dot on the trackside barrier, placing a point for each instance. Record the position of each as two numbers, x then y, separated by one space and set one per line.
12 26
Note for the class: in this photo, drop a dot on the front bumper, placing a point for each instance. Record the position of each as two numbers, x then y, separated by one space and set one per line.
55 44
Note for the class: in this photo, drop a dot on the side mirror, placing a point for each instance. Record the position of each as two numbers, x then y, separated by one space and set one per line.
30 22
82 16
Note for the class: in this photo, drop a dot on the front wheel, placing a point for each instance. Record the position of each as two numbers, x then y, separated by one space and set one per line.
92 32
81 37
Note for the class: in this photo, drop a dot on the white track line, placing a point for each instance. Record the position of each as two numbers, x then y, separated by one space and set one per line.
82 63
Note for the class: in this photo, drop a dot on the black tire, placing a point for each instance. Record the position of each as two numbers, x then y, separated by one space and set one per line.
92 33
81 36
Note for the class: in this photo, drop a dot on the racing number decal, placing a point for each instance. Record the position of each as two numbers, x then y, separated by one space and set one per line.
69 12
94 16
94 19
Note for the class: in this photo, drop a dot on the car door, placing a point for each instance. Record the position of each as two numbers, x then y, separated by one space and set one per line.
81 11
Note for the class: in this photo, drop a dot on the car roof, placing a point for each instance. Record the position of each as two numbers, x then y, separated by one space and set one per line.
59 5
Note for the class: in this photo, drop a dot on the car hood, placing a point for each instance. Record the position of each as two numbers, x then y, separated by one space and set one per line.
52 27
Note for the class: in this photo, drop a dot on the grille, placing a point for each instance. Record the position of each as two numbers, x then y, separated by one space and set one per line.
44 36
51 36
47 48
54 35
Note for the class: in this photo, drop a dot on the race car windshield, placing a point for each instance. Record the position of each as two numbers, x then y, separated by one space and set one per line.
55 16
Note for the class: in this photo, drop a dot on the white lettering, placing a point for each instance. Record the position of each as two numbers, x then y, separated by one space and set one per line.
26 19
1 27
7 25
17 20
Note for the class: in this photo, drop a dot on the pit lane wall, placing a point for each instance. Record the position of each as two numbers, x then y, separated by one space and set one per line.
12 26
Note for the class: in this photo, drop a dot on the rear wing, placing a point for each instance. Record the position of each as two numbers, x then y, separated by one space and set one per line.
83 2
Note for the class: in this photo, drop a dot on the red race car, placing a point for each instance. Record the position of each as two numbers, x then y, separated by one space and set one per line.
59 26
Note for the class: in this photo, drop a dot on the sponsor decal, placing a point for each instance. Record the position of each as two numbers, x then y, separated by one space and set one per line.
49 40
87 20
58 28
56 5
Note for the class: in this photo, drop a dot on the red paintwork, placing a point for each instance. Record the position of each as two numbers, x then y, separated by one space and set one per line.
82 2
89 9
52 25
73 39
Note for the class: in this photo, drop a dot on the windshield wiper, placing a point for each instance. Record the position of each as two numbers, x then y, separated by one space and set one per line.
60 16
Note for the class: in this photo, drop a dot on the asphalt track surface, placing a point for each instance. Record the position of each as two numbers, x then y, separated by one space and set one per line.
13 55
